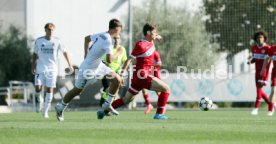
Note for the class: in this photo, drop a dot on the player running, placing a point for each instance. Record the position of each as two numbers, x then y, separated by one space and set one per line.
44 66
142 78
92 68
114 65
259 52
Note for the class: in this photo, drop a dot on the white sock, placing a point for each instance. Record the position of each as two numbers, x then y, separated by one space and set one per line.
47 104
110 98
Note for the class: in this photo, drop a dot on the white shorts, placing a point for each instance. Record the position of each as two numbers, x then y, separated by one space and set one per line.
90 76
48 79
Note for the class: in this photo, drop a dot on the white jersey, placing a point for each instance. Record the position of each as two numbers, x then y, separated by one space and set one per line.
47 52
101 45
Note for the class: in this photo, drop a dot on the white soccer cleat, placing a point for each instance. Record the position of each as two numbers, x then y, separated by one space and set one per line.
45 115
59 111
270 113
107 106
254 111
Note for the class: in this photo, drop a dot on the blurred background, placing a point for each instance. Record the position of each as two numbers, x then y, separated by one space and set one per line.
205 46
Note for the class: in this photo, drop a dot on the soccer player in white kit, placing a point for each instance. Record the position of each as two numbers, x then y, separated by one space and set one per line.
44 66
93 69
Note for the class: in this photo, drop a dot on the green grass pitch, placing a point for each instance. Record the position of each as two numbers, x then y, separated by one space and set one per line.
133 127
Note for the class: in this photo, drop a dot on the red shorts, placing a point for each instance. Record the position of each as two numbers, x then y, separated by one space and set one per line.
261 81
138 84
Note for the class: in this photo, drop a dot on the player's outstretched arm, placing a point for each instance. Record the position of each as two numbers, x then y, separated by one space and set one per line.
126 65
68 60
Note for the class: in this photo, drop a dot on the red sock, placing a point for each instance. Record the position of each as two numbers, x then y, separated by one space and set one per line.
117 103
162 101
265 97
259 97
267 100
146 97
271 106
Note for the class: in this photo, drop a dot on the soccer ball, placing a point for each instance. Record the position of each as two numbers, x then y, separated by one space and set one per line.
205 104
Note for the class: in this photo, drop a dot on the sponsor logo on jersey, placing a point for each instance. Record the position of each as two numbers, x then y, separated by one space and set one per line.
47 50
149 52
259 56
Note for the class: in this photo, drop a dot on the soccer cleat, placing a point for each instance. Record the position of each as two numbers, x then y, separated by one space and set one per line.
100 114
160 117
270 113
45 115
107 106
59 111
254 111
148 109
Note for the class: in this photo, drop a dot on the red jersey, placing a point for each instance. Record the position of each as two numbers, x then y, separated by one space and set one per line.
259 54
272 54
144 54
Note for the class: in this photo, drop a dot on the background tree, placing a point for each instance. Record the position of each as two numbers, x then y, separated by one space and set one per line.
15 63
186 42
233 22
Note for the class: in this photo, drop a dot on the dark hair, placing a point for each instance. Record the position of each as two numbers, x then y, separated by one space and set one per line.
47 25
148 27
258 33
114 23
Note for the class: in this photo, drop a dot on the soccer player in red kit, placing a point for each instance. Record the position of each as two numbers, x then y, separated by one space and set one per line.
142 78
271 56
259 52
157 73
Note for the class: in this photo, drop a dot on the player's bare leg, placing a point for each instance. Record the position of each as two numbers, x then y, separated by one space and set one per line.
71 94
156 85
272 99
115 81
61 106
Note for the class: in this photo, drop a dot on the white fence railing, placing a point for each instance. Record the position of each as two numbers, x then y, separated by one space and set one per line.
23 90
5 95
